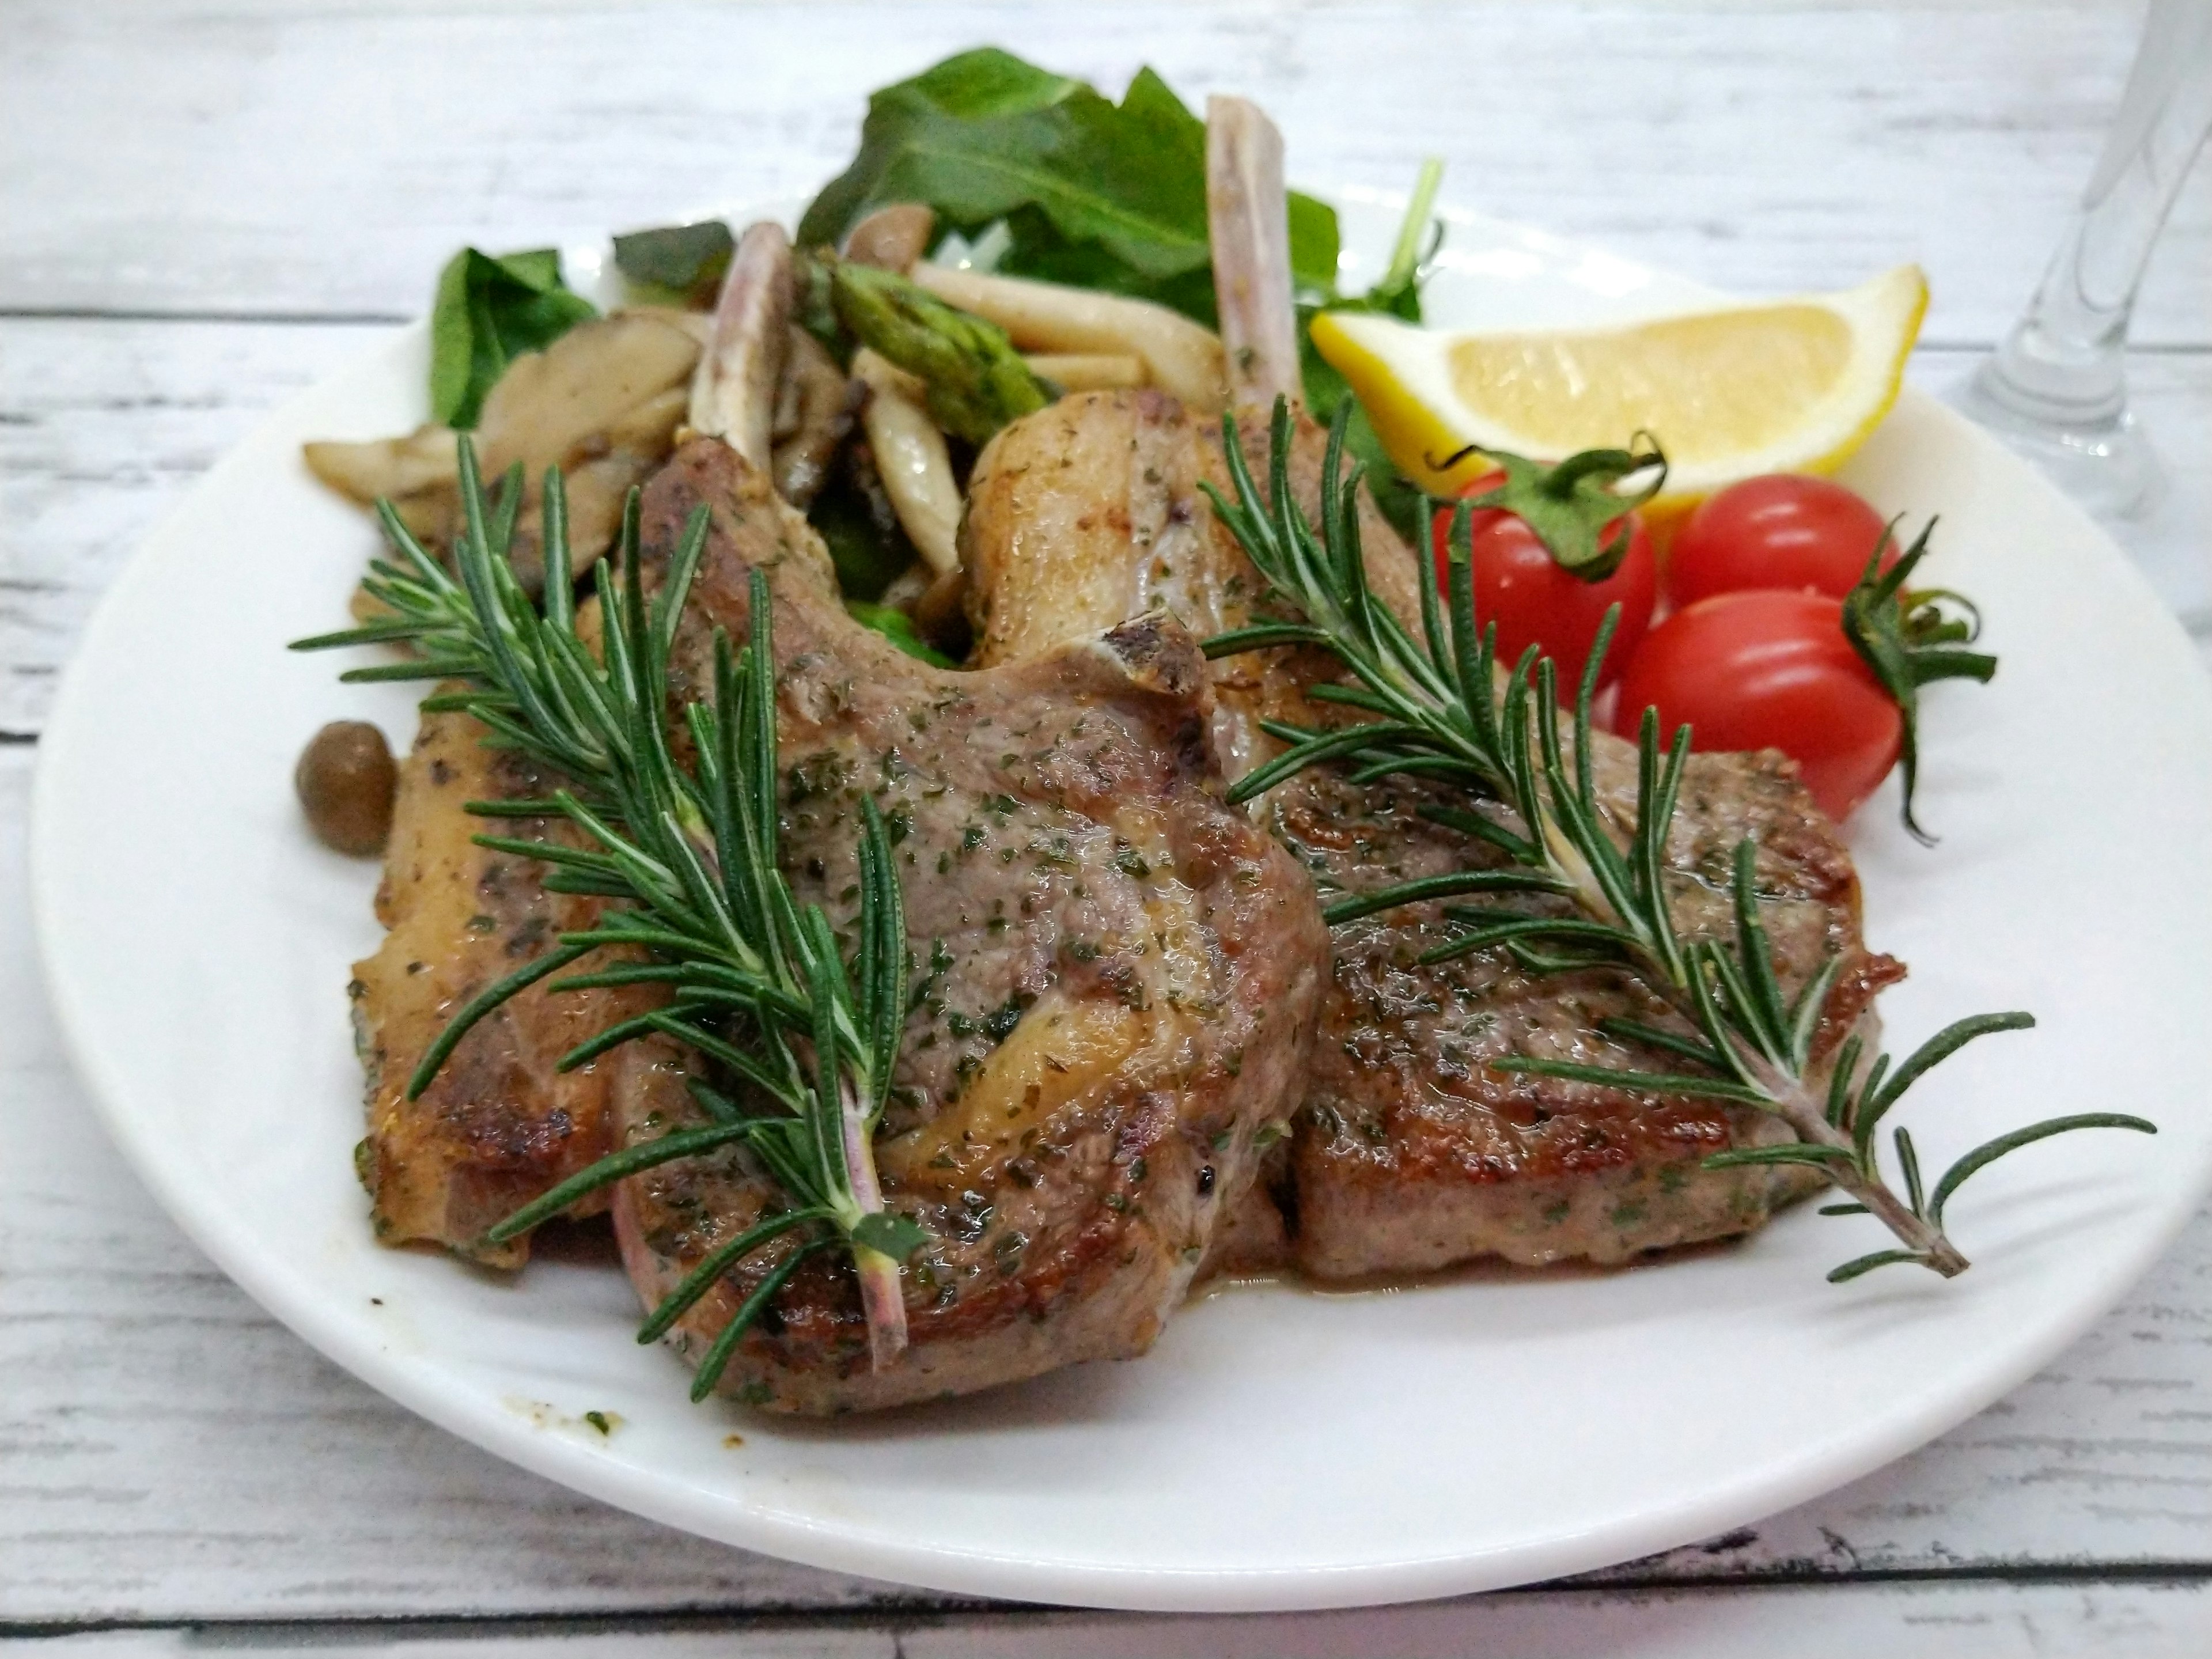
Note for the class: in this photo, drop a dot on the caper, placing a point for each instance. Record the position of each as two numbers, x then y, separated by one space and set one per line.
346 782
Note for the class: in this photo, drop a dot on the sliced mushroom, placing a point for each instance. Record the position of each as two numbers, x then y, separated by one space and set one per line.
893 237
602 403
814 410
418 474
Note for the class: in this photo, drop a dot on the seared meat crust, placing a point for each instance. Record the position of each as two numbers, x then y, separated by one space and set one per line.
498 1126
1118 975
1410 1153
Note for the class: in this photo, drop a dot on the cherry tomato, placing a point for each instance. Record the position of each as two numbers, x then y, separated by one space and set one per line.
1769 669
1522 588
1786 529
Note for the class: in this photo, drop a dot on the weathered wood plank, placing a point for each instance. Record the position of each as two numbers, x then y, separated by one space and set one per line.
168 1452
104 424
322 159
102 428
1917 1621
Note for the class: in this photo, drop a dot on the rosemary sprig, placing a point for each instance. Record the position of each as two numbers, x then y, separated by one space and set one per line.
688 854
1441 707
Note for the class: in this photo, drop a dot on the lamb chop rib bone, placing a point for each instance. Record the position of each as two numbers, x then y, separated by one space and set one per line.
1248 219
733 399
733 389
1248 223
1125 967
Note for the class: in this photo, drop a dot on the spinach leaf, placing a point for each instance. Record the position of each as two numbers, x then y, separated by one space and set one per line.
489 311
1103 195
685 262
898 628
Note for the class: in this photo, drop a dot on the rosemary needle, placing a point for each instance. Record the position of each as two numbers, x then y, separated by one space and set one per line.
1443 708
687 855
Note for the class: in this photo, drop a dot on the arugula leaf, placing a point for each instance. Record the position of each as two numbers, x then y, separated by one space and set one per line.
489 311
897 626
1397 293
686 262
1103 195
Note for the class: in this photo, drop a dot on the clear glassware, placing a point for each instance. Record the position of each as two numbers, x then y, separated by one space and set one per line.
2057 389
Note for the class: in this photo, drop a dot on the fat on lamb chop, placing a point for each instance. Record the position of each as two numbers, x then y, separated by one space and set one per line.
1117 973
1408 1153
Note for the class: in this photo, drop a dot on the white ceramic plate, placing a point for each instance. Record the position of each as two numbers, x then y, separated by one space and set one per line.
1278 1449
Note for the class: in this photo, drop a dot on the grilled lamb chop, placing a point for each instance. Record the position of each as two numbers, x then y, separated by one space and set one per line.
498 1125
1409 1153
1118 974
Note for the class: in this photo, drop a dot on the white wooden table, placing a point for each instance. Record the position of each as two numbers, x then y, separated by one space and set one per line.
205 207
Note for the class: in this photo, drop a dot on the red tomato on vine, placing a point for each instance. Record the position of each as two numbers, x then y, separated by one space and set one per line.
1551 550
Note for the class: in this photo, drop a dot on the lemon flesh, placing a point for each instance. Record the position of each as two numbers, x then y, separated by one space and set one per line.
1791 386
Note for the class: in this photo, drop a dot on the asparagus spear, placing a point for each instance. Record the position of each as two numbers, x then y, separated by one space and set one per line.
976 382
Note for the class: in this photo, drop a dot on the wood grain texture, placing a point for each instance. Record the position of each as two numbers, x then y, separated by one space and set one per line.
326 158
1952 1622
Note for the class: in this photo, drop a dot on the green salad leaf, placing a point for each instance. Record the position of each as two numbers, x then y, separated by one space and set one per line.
491 309
1397 294
897 626
1074 188
685 262
1091 193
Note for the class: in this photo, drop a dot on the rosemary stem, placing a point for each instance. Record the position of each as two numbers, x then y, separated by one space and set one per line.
1790 1097
882 1297
1807 1116
1446 709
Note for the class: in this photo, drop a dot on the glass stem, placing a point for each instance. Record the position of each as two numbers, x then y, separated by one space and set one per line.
2062 365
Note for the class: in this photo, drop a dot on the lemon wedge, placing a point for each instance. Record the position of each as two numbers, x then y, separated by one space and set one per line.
1777 385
